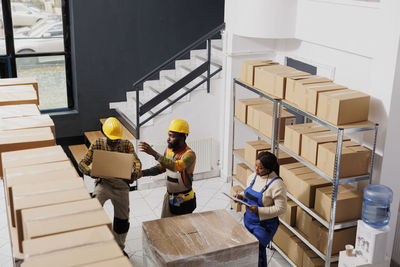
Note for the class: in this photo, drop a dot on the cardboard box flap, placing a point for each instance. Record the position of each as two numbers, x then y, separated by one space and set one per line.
37 169
313 79
22 110
345 191
42 177
25 135
346 94
17 88
26 122
67 240
109 164
324 86
52 186
324 137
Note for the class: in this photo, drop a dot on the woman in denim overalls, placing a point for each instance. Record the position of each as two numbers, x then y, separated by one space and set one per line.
266 193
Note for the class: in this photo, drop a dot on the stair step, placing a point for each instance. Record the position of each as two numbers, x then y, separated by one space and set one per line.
91 136
204 59
216 44
170 81
126 134
78 152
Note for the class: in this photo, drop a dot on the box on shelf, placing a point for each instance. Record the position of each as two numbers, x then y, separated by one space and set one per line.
110 164
76 256
343 107
284 158
307 185
17 95
293 134
295 88
289 244
242 105
253 148
288 170
61 218
348 204
272 79
236 189
24 110
296 250
198 239
254 112
242 173
303 222
340 239
290 215
17 123
354 160
311 141
310 101
281 238
311 259
248 69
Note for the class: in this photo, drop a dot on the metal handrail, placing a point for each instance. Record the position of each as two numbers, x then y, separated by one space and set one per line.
179 54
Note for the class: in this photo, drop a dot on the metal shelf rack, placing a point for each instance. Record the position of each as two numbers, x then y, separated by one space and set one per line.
341 130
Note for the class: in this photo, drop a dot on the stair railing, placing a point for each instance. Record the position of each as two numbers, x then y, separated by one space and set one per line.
178 85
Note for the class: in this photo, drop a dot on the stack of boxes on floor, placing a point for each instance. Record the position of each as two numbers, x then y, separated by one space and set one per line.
314 143
51 217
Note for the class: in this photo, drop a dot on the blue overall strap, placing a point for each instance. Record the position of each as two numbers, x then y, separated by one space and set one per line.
252 182
266 187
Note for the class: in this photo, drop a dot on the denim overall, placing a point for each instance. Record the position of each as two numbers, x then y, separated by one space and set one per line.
263 230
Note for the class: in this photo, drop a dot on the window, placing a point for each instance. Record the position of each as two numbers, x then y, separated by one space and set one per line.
39 47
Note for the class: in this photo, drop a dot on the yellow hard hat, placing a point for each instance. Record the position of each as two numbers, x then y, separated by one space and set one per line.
112 128
179 126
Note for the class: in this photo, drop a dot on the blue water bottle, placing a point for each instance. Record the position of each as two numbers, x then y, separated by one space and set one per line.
376 205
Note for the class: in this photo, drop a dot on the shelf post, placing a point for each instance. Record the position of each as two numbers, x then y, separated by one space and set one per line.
373 154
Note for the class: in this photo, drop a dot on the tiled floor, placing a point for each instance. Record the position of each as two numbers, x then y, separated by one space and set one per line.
146 205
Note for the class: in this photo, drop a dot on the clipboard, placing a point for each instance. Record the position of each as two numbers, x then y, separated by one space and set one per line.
237 200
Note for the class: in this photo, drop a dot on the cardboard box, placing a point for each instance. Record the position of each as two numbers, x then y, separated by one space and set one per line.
311 259
17 172
17 123
253 116
310 101
109 164
62 218
284 158
24 139
32 156
289 244
311 141
290 215
272 79
241 111
120 262
248 69
19 94
199 239
236 189
21 81
253 148
348 204
303 222
288 170
281 238
242 173
76 256
13 111
343 107
354 160
295 88
293 134
262 120
307 183
296 250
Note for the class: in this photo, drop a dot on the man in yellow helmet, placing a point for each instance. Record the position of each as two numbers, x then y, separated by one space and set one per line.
178 161
115 189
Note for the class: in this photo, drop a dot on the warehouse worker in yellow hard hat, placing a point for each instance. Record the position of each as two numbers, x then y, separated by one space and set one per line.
178 162
115 189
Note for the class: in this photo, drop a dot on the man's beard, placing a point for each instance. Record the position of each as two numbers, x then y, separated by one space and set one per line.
172 145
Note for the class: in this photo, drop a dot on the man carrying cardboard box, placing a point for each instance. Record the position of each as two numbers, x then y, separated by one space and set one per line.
178 162
115 189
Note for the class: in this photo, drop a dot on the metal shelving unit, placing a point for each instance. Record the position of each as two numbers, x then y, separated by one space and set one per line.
283 254
341 130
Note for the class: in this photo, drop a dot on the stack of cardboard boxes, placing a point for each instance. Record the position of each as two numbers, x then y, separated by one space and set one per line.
52 218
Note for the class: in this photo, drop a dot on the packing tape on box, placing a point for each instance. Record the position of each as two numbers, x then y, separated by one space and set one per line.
307 127
27 256
48 191
318 85
64 215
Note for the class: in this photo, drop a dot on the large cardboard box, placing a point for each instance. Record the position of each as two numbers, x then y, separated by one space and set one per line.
293 134
237 189
109 164
272 79
307 183
16 123
21 81
76 256
311 141
290 215
289 244
120 262
242 173
303 222
262 120
198 239
295 88
310 101
62 218
17 172
24 110
287 171
311 259
19 94
354 160
348 204
296 250
241 111
343 107
253 148
32 156
282 237
248 69
253 114
25 139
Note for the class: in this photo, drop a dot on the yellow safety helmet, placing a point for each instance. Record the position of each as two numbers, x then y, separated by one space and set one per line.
179 126
112 128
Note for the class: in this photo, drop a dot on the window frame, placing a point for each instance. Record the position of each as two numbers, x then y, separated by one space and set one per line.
10 49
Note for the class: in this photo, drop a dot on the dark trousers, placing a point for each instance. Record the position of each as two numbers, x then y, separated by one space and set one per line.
262 256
